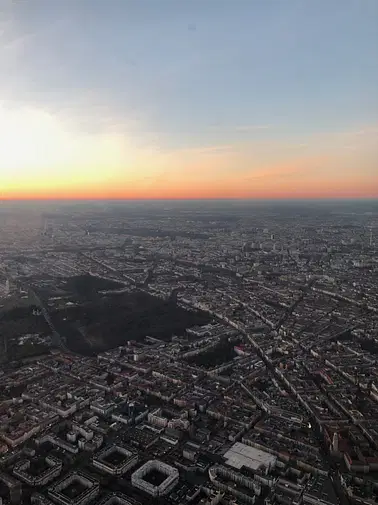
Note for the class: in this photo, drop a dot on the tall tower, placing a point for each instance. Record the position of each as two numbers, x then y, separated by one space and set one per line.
7 287
131 410
335 442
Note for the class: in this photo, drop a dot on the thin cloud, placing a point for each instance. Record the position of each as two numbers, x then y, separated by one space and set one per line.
11 47
215 149
200 150
297 168
247 128
351 148
238 128
284 174
367 131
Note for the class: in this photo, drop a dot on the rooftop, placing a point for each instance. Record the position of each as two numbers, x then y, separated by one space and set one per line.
243 455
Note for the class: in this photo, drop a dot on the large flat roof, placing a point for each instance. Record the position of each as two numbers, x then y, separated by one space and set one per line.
244 455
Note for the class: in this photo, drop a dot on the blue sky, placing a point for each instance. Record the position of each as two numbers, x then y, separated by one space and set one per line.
189 74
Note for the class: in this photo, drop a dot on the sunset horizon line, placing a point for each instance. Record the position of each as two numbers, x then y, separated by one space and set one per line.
214 198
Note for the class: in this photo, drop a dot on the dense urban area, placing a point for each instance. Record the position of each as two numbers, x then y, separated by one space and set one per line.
189 353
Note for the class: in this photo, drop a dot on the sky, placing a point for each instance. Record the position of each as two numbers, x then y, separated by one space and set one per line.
188 99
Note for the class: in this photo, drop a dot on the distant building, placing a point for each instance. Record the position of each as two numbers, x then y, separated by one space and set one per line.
169 478
115 460
244 455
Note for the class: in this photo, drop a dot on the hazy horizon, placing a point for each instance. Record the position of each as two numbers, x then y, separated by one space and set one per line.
183 200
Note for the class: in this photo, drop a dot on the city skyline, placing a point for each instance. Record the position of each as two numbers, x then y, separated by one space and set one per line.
228 99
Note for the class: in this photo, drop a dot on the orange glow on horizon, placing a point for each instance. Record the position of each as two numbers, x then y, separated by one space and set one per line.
301 178
42 159
184 193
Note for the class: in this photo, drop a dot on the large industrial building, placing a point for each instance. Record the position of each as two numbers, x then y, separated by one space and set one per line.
244 455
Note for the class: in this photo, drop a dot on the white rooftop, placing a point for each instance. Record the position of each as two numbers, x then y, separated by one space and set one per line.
243 455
